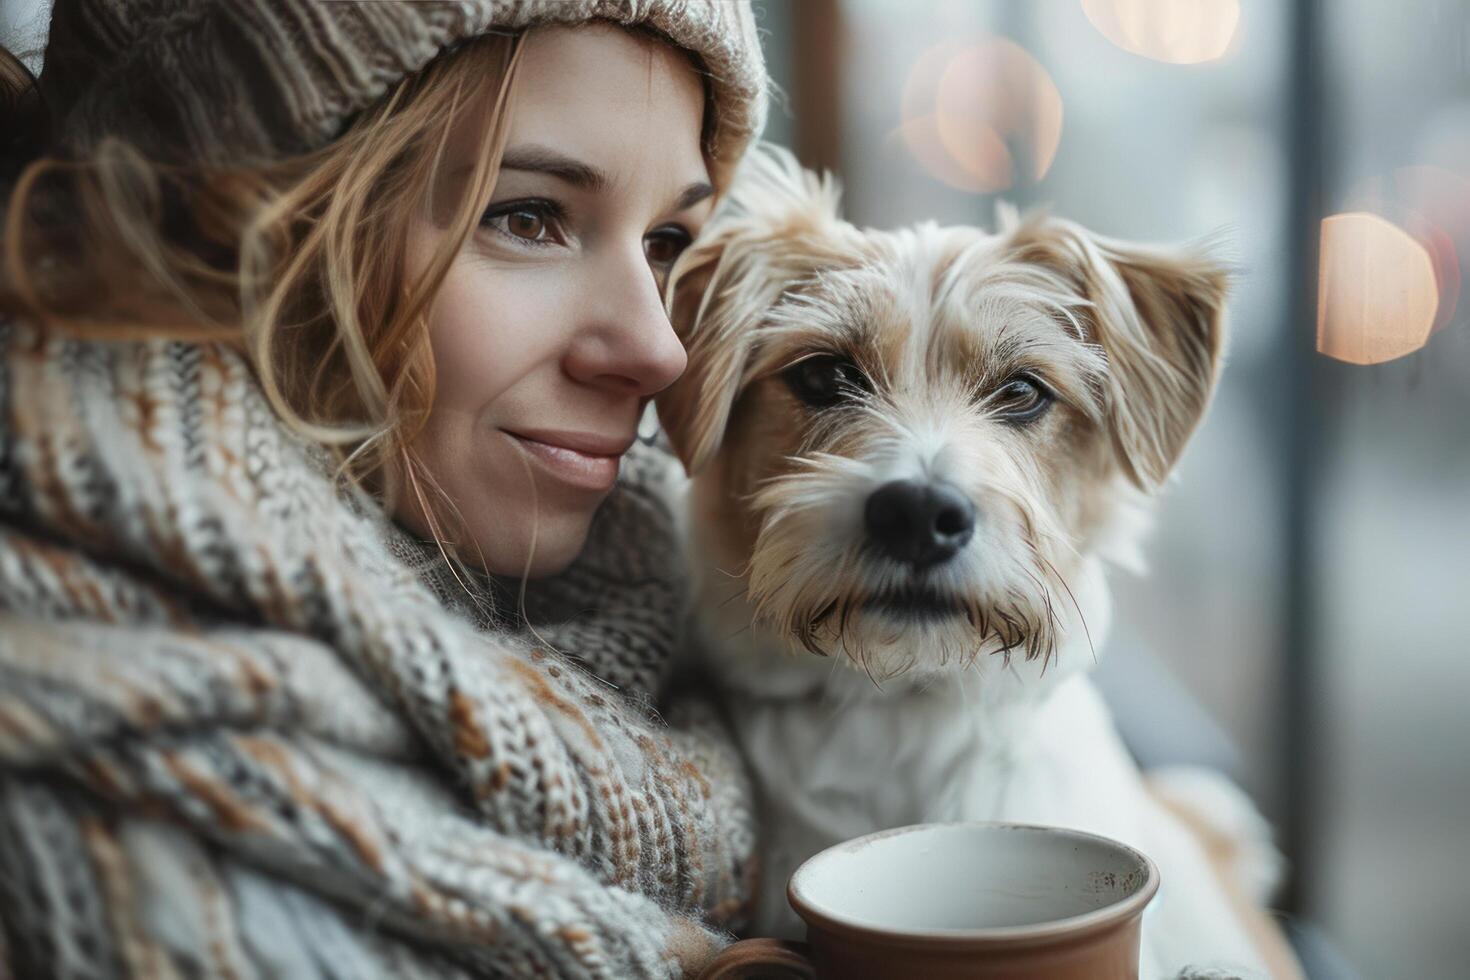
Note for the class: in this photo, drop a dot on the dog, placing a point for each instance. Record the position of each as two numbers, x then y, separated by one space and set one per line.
911 455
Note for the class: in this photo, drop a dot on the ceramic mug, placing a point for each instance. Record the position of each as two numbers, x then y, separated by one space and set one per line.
960 901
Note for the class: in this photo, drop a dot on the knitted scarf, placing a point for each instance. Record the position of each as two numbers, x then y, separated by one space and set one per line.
248 728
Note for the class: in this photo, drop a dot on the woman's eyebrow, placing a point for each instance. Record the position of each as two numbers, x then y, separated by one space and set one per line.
692 195
543 160
534 158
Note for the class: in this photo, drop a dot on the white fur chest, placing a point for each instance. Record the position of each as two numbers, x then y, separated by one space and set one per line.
835 756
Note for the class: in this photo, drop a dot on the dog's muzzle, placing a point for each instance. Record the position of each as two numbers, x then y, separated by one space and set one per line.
919 524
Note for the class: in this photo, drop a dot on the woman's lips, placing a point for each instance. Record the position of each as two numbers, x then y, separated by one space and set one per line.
580 459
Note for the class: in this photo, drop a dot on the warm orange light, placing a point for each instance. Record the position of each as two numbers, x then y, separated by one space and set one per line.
1376 290
990 162
982 117
1433 205
1180 32
1446 259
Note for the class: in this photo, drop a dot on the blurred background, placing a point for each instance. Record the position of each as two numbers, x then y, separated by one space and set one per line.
1306 621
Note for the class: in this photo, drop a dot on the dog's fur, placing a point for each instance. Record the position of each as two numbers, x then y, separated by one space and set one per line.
855 718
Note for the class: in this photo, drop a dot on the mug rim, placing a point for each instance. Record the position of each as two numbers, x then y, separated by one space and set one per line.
1072 927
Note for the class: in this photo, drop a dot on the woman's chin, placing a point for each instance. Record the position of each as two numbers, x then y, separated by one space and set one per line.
512 552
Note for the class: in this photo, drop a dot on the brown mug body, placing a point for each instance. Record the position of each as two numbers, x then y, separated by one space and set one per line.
848 940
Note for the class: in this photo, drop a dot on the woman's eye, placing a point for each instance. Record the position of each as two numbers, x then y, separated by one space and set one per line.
527 222
825 380
664 245
1021 399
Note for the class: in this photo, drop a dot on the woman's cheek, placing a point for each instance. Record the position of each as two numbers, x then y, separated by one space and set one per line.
487 334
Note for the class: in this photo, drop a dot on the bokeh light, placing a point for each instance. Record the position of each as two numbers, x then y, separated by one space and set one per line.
981 117
1377 293
1446 260
1433 205
1180 32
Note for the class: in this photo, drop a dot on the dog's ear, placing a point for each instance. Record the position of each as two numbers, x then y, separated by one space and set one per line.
771 231
1159 315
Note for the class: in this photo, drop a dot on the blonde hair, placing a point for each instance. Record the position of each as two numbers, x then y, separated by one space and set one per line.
300 263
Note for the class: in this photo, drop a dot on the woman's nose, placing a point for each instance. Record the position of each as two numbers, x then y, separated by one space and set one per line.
625 341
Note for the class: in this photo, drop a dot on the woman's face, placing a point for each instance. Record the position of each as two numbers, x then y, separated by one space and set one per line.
549 334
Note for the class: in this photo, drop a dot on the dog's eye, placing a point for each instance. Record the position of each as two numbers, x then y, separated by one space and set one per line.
825 380
1021 400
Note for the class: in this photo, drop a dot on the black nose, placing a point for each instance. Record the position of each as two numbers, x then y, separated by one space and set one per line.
919 524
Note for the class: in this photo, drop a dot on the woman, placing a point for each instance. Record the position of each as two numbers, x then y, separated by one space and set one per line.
325 327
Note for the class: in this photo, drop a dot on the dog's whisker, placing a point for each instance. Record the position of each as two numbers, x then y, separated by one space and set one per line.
1081 617
844 611
742 629
1015 634
1049 626
863 656
744 590
824 612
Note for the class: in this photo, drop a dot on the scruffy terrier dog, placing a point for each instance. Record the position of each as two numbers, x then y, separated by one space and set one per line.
912 452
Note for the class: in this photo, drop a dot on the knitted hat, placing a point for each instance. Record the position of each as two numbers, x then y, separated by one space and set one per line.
240 81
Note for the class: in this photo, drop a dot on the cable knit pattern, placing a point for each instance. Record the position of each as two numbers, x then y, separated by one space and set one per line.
248 728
